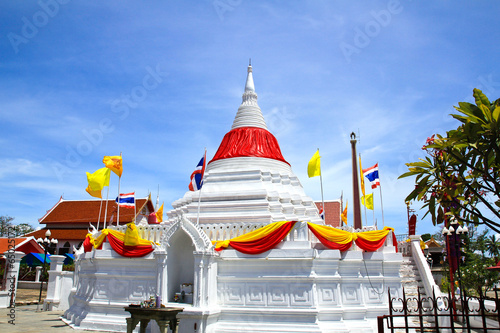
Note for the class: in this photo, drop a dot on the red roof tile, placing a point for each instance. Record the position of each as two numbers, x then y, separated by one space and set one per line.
61 234
22 244
332 212
85 211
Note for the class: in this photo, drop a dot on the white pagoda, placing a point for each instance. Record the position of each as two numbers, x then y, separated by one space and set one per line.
298 286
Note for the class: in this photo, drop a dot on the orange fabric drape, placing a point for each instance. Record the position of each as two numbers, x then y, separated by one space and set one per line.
260 244
330 244
87 245
126 250
117 241
371 241
341 240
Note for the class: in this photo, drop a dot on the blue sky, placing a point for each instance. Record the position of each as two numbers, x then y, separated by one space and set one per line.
159 81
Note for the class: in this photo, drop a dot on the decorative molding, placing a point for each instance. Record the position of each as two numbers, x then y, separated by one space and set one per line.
200 239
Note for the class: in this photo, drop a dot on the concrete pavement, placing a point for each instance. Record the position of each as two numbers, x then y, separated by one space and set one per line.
28 320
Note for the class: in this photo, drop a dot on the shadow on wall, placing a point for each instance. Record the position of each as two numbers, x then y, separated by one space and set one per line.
180 263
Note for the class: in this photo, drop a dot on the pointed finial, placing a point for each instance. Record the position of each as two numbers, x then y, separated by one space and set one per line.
250 62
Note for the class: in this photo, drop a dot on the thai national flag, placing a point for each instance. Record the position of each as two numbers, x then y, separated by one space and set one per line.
321 213
197 175
126 200
372 175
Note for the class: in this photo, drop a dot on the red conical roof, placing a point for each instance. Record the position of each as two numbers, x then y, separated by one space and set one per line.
249 142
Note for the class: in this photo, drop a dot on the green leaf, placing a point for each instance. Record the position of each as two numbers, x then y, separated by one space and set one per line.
420 164
408 174
496 113
480 98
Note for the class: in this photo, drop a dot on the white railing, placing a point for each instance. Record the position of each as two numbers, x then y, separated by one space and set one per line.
225 231
423 267
152 232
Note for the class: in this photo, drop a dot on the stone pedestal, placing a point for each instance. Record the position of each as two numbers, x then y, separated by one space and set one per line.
38 273
12 262
59 286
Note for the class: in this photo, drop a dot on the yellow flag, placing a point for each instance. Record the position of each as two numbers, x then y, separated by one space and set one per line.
367 200
159 214
131 235
343 216
114 163
98 179
362 176
95 194
314 166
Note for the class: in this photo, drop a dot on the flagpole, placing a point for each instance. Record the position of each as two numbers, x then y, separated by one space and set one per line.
135 208
106 210
362 181
322 199
201 186
99 217
381 204
373 211
118 203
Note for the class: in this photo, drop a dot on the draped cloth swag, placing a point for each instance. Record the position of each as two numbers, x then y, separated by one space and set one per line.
266 238
249 141
338 239
258 241
127 244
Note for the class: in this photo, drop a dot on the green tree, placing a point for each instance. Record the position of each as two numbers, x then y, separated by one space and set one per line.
460 176
492 244
23 229
426 237
474 276
6 228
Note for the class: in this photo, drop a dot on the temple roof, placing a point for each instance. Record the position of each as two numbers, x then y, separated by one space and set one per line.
24 244
62 234
249 136
85 211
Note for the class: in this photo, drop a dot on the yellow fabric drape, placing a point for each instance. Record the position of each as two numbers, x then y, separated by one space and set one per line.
131 237
333 235
252 235
343 237
119 235
374 235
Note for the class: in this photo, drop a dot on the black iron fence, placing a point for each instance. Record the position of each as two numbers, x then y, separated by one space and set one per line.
462 313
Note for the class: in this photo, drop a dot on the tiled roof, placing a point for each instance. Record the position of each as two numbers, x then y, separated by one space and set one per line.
61 234
23 244
85 211
332 212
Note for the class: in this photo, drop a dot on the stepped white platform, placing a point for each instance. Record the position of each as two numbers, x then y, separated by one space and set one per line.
297 287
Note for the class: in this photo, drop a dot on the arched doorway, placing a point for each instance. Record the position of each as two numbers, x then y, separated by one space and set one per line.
180 262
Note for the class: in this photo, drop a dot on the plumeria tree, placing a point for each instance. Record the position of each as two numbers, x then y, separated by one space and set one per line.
460 176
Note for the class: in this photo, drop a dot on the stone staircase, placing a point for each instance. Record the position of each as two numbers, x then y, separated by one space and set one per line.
412 283
410 278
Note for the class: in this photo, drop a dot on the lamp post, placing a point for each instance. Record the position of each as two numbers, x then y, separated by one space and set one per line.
45 243
454 231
